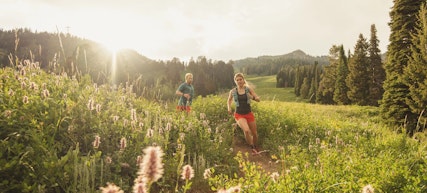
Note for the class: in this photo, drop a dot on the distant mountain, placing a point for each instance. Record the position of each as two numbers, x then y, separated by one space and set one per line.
269 65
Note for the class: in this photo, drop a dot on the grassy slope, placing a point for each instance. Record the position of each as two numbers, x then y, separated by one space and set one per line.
265 86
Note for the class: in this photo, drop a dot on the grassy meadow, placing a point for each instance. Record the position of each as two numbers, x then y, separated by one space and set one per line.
265 86
66 134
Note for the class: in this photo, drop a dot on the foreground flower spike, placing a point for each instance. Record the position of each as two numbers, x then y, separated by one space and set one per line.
111 188
368 189
187 172
275 176
122 144
234 189
151 167
139 186
207 174
96 142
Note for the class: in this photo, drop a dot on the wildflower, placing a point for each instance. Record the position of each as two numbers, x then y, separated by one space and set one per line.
234 189
368 189
187 172
150 133
205 123
133 115
70 128
33 86
11 92
138 160
7 113
168 126
98 108
275 176
115 118
90 105
111 188
139 187
202 116
46 93
25 99
96 142
22 72
108 160
125 122
122 144
207 174
23 84
181 136
152 167
133 124
317 141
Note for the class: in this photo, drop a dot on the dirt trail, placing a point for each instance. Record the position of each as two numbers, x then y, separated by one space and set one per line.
263 159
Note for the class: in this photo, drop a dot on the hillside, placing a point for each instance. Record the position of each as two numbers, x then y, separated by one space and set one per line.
271 65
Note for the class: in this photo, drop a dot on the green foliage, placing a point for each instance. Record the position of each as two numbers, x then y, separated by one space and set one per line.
415 73
340 92
376 69
49 124
358 74
394 107
331 149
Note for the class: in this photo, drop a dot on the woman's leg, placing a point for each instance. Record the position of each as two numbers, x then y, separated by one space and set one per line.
253 129
243 123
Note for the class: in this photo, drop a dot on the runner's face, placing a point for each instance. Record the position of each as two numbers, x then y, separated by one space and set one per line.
240 81
189 79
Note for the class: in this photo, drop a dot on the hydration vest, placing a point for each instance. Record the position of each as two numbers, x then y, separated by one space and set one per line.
236 99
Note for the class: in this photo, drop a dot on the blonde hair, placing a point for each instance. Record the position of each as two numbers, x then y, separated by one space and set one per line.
188 75
239 74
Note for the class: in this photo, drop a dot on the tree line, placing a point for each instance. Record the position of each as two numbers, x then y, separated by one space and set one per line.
348 79
397 85
62 53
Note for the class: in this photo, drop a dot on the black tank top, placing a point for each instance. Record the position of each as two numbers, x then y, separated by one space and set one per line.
244 107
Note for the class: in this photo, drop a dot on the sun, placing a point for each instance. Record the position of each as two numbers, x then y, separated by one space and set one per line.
114 44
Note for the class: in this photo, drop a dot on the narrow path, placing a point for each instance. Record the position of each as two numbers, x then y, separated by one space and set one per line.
263 159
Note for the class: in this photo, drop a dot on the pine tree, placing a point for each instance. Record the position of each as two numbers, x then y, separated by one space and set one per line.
326 88
341 89
298 81
376 70
314 83
393 107
358 77
305 88
415 75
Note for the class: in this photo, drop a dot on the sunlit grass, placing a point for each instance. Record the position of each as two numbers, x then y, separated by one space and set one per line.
265 87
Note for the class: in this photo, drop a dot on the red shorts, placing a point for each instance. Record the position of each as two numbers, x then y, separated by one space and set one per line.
249 117
183 108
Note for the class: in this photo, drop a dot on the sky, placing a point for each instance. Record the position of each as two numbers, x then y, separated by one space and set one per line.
217 29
